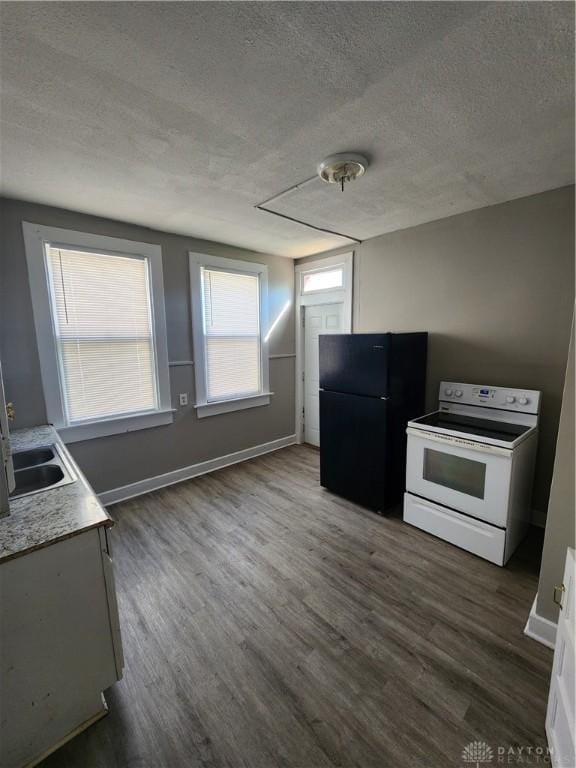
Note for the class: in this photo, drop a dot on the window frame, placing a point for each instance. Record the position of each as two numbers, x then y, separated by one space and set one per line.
342 295
318 271
328 264
36 239
205 407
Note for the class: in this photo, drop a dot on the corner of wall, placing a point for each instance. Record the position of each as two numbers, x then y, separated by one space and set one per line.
560 526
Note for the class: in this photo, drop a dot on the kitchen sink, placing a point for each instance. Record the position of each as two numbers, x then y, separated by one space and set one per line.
40 469
25 459
37 479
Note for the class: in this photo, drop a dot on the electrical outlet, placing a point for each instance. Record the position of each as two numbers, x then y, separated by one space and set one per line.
184 399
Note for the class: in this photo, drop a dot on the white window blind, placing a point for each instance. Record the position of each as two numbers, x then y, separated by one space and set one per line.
103 326
232 347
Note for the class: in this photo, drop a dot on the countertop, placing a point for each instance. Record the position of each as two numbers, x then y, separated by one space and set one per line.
49 516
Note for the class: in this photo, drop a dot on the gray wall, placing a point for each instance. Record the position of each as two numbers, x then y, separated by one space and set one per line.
495 289
560 524
117 460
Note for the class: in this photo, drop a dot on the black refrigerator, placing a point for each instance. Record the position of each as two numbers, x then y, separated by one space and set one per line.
371 385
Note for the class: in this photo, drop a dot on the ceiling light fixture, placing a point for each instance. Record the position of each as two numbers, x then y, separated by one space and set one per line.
335 169
342 168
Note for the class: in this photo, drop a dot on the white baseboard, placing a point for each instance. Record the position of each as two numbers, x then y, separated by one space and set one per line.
540 629
186 473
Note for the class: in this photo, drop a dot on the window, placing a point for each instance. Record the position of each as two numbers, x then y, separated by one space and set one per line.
103 328
99 314
229 301
323 280
455 472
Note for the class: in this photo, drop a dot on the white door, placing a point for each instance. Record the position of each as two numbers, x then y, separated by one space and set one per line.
560 717
319 318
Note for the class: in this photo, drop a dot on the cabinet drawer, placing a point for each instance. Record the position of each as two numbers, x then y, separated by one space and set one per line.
479 538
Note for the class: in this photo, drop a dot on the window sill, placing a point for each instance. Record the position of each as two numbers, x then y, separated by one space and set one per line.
238 404
132 423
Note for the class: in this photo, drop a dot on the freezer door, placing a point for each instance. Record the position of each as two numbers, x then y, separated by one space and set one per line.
353 458
355 363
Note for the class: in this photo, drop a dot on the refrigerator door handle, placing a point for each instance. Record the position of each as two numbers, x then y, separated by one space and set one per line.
368 397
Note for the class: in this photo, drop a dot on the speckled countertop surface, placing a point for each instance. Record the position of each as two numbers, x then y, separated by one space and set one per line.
46 517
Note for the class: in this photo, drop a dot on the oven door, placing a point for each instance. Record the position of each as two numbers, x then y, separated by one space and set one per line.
461 474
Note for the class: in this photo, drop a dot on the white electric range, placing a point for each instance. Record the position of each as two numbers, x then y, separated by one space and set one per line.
470 466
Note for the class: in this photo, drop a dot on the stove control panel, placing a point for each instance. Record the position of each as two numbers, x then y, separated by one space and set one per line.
502 398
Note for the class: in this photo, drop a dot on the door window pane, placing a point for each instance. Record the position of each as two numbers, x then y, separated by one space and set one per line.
325 280
455 472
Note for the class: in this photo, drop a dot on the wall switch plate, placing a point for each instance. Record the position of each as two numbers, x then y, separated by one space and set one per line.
184 399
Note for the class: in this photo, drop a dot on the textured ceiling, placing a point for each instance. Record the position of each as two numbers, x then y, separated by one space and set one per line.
183 116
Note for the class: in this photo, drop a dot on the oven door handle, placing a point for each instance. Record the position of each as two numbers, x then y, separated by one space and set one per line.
458 442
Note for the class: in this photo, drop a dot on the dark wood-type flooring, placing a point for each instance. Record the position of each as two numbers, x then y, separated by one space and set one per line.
268 623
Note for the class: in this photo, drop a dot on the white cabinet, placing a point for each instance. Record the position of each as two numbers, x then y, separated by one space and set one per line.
60 644
561 715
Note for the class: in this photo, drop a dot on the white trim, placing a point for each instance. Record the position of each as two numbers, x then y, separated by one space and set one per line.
342 295
130 423
36 237
321 264
176 363
233 404
333 296
203 405
324 262
194 470
540 629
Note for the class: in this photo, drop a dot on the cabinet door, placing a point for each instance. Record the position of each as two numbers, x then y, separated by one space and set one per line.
105 542
56 643
560 717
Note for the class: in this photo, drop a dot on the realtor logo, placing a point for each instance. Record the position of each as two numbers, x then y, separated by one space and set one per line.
477 753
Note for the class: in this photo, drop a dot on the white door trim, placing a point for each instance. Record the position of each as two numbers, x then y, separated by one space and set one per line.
341 295
540 629
560 714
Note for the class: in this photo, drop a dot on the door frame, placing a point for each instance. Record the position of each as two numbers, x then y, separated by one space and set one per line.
342 295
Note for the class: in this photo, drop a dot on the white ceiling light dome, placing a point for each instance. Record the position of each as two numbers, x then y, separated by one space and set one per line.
342 168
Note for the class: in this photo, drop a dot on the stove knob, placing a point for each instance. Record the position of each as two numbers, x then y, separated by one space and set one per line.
523 400
510 399
448 392
458 393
